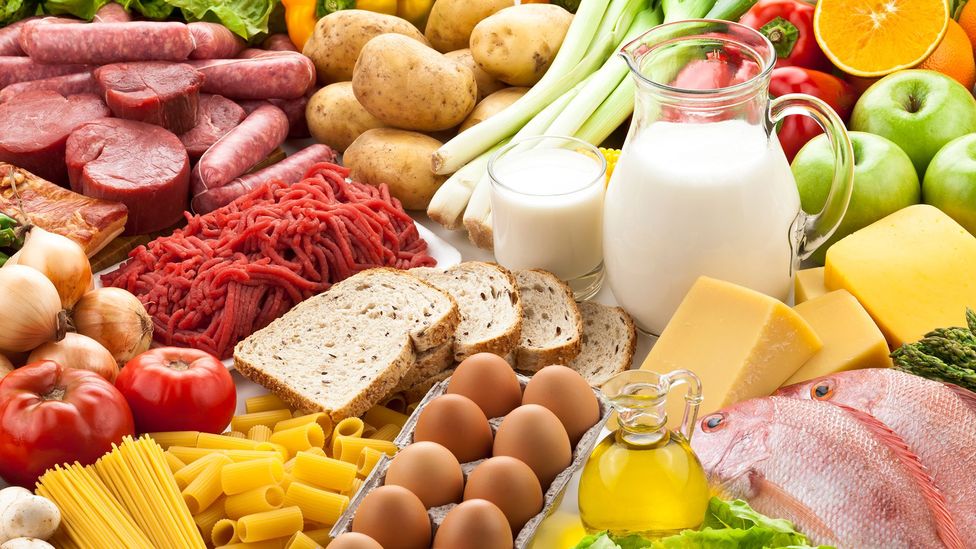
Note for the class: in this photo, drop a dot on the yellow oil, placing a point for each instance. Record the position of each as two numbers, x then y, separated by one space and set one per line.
655 490
560 530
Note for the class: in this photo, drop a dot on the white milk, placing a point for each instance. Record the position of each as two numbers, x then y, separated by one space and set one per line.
554 218
688 200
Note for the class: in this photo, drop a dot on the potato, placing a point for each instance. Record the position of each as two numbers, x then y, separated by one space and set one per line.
450 22
338 38
492 105
336 118
408 85
517 44
487 84
399 158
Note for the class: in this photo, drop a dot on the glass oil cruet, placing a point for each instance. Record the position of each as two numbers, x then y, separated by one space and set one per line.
643 478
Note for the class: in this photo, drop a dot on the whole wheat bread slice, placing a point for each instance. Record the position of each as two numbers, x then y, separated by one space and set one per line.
609 343
552 326
342 351
418 391
488 299
428 364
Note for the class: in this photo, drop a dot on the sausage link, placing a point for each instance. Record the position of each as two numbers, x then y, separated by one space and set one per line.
112 13
240 149
214 41
10 35
275 74
294 110
69 84
279 42
106 43
24 69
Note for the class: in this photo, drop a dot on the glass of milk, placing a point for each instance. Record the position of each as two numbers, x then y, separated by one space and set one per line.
547 209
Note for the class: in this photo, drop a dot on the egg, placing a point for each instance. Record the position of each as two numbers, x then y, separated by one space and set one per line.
354 540
565 393
430 471
475 524
511 485
456 423
534 435
489 381
394 517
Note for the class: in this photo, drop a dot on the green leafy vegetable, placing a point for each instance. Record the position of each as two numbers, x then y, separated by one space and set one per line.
84 9
12 11
245 18
151 9
945 354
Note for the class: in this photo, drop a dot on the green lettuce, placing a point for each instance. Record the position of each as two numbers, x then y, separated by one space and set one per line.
246 18
83 9
12 11
151 9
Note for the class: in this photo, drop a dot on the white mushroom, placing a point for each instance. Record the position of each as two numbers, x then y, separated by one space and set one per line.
12 494
30 517
26 543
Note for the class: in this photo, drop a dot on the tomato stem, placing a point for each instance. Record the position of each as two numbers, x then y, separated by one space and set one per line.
56 393
178 365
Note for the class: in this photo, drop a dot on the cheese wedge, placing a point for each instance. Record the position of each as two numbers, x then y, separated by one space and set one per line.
851 340
913 271
741 344
808 284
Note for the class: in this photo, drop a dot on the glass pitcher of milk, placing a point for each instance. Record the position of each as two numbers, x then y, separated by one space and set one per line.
702 186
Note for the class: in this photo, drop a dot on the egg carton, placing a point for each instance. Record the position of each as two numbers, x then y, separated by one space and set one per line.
551 498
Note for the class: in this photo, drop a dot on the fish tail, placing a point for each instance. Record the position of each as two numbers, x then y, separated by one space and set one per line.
968 397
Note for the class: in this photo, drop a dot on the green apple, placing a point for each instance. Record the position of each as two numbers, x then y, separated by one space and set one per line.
884 182
950 181
919 110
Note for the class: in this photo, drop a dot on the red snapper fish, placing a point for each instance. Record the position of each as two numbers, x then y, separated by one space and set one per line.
936 420
839 474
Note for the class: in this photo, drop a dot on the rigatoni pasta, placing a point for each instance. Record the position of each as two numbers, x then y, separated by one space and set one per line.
300 438
204 489
268 418
174 463
323 472
349 448
190 471
190 455
368 459
238 478
302 541
222 442
387 432
224 532
209 517
258 500
175 438
264 403
271 524
260 433
317 505
324 421
381 415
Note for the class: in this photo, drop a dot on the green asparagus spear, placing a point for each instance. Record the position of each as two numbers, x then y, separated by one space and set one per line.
944 354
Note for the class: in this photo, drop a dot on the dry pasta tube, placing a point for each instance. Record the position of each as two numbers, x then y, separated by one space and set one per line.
322 536
412 407
368 459
277 543
174 463
209 517
387 432
323 472
271 524
301 541
222 442
354 489
286 481
277 448
260 433
175 438
349 427
190 455
204 489
317 451
317 505
263 403
238 478
324 421
350 447
396 402
368 431
268 418
381 415
300 438
224 532
258 500
233 434
191 470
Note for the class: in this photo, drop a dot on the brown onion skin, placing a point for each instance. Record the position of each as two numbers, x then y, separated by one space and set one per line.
116 319
79 352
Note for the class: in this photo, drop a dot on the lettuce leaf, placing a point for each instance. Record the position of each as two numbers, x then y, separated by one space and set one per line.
738 514
246 18
83 9
151 9
12 11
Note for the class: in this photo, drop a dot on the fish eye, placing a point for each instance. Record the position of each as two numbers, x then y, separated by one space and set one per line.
823 390
713 422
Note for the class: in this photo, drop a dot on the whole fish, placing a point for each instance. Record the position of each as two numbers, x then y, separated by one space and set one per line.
936 420
840 475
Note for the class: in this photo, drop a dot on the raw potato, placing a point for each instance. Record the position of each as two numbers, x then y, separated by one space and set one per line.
339 37
30 517
336 118
487 84
492 105
517 44
408 85
399 158
450 22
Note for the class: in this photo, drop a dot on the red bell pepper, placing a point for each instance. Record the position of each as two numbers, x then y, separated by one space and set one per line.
50 414
789 26
795 131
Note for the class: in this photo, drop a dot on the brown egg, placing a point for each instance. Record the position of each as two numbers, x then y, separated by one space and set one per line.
430 471
394 517
489 381
534 435
565 393
353 540
458 424
475 524
509 484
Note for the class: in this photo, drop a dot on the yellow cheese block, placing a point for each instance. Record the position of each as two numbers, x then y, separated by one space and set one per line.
913 271
851 340
741 343
809 284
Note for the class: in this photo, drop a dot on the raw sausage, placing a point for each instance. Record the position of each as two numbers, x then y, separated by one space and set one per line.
112 13
10 38
294 110
216 116
106 42
24 69
155 92
275 74
69 84
241 148
290 169
214 41
279 42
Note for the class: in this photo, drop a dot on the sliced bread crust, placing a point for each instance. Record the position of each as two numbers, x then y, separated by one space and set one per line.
427 364
609 343
552 326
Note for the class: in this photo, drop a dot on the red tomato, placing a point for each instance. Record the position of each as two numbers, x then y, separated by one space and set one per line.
50 415
176 389
795 131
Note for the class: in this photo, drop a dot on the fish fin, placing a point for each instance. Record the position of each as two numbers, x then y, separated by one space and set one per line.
944 522
968 397
806 520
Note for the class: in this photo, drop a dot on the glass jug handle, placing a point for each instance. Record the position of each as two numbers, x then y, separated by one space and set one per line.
693 398
818 227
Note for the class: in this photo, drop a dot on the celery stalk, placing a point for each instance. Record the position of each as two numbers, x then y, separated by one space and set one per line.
610 114
449 202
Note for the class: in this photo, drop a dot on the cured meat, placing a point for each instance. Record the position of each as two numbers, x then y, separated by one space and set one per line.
164 94
281 74
140 165
106 43
216 116
112 13
231 272
289 169
25 69
36 125
214 41
69 84
90 222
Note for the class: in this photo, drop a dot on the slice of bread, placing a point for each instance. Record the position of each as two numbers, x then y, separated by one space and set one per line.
491 312
552 326
609 343
418 391
342 351
428 364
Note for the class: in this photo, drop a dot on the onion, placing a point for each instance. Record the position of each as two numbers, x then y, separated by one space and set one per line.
116 319
61 260
30 309
5 366
79 352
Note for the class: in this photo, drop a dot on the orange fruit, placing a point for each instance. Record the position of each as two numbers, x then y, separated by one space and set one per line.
954 56
878 37
967 20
